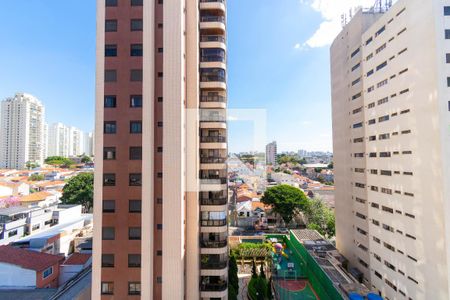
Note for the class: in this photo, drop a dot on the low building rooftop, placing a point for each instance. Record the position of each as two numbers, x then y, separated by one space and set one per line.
26 259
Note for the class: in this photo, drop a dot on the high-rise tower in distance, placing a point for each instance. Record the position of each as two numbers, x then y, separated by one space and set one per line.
160 207
390 72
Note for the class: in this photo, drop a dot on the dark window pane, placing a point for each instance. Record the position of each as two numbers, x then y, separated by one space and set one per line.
135 127
136 25
134 233
447 34
110 50
134 288
136 75
107 260
446 10
109 153
109 179
136 50
134 260
448 81
136 2
109 206
110 127
111 25
136 101
159 226
110 101
107 288
108 233
135 153
134 206
110 2
135 179
110 75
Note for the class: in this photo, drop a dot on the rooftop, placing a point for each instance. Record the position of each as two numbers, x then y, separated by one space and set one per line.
39 196
31 260
77 259
14 210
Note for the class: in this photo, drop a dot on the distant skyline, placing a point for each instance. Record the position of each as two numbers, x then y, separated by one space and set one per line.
278 61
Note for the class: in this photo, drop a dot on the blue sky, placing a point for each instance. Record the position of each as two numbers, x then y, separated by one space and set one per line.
278 61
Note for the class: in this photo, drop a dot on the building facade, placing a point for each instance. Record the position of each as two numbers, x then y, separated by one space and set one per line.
58 140
390 83
160 150
22 131
271 153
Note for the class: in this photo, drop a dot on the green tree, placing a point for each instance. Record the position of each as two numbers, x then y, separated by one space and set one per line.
36 177
31 165
330 165
79 190
232 294
254 273
269 290
320 217
233 279
59 161
261 271
287 201
86 159
261 288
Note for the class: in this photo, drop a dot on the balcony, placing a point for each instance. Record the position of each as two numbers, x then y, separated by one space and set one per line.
213 160
214 265
214 201
213 244
214 287
213 139
213 180
213 98
209 1
212 38
213 223
214 22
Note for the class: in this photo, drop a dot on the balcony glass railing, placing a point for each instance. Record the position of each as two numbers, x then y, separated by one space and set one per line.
206 1
214 265
213 223
213 98
212 78
212 38
213 118
212 58
213 287
220 19
213 180
214 201
212 160
213 139
213 244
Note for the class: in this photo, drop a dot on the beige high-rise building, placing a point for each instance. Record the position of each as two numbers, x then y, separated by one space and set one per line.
390 74
160 207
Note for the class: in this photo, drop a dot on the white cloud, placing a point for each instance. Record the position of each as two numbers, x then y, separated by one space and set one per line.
331 12
297 46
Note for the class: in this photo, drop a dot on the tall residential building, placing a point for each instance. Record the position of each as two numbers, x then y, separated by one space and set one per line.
58 140
390 74
88 143
21 131
76 141
271 153
160 150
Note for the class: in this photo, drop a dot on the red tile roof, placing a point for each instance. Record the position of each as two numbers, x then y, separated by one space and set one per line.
28 259
77 259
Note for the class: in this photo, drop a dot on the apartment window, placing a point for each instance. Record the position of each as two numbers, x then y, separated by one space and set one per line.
355 52
135 206
369 57
372 138
107 288
160 50
109 206
386 173
159 279
359 155
358 140
360 185
375 205
377 257
381 48
361 216
110 50
448 105
388 228
136 25
446 10
374 188
159 149
135 179
111 25
12 233
403 51
369 41
135 153
383 118
360 200
159 124
135 75
389 265
378 274
110 127
384 136
370 89
381 83
380 31
159 200
107 260
110 101
160 99
134 288
447 58
404 91
356 96
356 67
447 34
136 127
357 125
160 25
374 171
110 3
385 154
371 121
375 239
134 233
381 66
110 75
356 81
369 73
109 153
363 232
159 226
136 101
382 101
136 50
401 31
371 105
159 253
109 179
134 260
136 2
387 209
108 233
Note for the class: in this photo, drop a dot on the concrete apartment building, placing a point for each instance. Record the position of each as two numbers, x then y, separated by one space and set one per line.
271 153
22 131
390 76
66 141
160 149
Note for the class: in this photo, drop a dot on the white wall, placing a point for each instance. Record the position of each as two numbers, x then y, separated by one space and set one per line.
14 276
